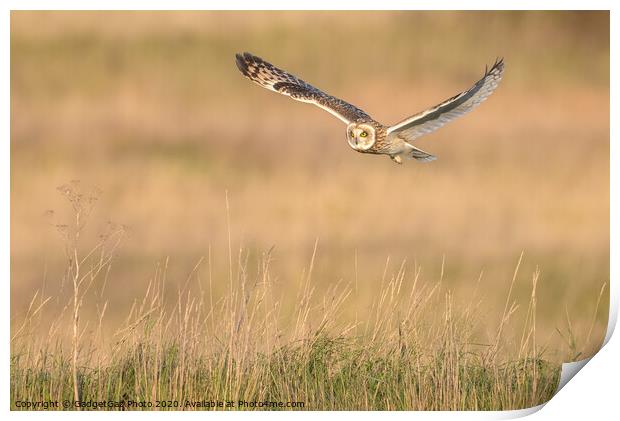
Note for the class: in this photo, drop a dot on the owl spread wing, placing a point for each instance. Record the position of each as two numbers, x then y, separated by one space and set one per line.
270 77
434 118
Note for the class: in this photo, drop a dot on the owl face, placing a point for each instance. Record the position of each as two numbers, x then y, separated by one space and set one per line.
361 137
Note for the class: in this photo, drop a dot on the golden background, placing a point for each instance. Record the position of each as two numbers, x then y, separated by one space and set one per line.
149 109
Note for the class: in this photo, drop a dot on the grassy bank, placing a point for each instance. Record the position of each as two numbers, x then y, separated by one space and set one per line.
190 347
321 374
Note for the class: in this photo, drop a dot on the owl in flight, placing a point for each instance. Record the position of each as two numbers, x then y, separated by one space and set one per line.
364 134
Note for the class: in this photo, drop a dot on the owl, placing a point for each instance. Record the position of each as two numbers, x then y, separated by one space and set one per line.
364 134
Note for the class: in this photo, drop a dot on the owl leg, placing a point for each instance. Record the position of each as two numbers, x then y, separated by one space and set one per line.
396 158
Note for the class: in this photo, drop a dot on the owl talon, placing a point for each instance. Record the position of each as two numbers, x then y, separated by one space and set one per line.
396 158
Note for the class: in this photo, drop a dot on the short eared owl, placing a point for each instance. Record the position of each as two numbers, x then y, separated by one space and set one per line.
364 134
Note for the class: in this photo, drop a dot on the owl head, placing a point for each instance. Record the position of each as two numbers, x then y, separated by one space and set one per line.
361 137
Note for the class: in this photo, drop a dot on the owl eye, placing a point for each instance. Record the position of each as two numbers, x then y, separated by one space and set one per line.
363 134
351 134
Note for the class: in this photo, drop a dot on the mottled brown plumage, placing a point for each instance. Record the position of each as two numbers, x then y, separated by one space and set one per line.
365 134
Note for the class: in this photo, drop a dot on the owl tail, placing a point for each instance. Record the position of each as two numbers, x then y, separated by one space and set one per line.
419 154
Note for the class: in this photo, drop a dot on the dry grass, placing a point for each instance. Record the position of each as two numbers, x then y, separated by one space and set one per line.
149 107
412 349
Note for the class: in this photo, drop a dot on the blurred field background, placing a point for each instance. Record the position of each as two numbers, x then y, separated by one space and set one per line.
149 109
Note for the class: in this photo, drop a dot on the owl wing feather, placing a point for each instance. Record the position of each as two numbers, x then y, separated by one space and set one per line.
434 118
270 77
